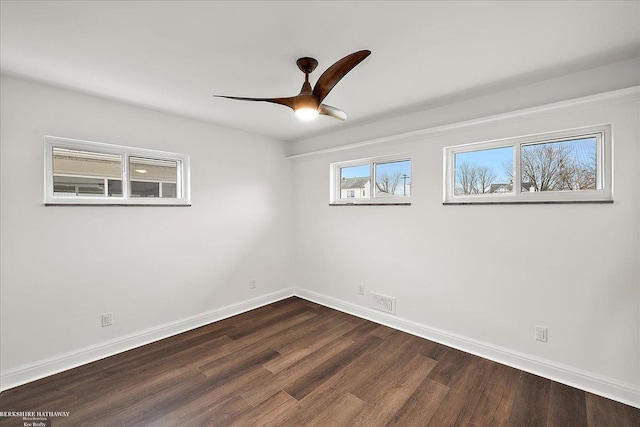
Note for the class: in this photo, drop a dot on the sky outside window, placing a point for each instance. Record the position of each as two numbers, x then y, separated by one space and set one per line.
484 171
354 172
496 159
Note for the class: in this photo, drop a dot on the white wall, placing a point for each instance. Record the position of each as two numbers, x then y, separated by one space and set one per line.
476 277
61 267
482 277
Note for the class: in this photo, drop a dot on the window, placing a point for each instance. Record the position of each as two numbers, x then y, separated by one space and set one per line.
153 177
569 166
91 173
380 180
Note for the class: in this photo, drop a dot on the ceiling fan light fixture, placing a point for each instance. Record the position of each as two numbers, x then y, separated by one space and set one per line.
307 113
306 105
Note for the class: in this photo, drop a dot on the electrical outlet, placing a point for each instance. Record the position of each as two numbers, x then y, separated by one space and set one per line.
107 319
254 284
360 289
542 334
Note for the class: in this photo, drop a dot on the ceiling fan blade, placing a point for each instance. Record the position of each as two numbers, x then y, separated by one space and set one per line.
328 110
289 102
337 71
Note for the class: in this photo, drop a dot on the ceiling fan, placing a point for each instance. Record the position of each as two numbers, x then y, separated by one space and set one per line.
308 103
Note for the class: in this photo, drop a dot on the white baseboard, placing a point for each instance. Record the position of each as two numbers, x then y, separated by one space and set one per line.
617 390
597 384
44 368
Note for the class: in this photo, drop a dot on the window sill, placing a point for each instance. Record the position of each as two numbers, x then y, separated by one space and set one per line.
370 204
535 202
120 204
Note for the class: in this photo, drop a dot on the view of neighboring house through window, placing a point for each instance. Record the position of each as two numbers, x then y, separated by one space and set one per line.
565 166
391 181
153 178
83 172
355 182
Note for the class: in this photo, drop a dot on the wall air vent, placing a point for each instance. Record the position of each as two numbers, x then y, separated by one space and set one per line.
383 303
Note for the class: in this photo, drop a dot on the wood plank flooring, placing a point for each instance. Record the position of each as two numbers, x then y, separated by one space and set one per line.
296 363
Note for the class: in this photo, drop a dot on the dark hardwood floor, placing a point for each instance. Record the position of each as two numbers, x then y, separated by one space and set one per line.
295 363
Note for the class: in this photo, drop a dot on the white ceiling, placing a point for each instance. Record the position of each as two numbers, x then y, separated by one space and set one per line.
173 55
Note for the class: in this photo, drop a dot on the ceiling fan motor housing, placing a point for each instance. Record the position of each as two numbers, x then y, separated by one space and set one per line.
307 65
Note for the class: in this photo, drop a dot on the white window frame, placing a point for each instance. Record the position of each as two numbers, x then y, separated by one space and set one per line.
604 182
182 174
335 198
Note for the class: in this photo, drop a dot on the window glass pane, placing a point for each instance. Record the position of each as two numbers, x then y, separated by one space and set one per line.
145 189
560 166
484 172
393 179
115 187
84 173
147 174
169 190
78 186
355 182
